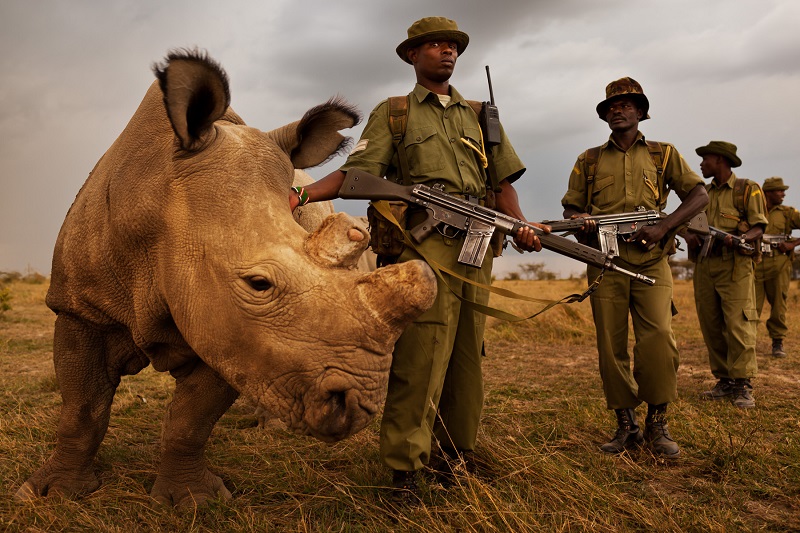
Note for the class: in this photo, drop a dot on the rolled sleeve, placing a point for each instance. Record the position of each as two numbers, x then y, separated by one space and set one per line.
680 177
508 164
576 188
376 156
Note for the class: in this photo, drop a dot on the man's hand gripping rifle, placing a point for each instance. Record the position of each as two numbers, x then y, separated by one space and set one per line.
772 242
477 221
738 241
611 227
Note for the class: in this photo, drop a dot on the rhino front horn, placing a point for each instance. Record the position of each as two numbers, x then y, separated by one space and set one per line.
412 283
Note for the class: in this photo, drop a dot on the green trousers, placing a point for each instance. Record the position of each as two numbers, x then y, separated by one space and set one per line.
773 276
436 381
652 376
724 292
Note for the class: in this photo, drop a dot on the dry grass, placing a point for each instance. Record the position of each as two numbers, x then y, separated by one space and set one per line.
543 421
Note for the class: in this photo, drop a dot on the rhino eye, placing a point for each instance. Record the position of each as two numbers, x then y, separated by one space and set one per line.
259 283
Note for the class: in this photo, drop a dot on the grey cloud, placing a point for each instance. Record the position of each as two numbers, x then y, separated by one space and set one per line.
74 73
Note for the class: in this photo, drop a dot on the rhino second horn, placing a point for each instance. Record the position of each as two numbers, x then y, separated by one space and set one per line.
339 241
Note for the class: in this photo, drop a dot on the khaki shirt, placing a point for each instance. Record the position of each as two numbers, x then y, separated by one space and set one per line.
626 181
433 145
782 219
721 209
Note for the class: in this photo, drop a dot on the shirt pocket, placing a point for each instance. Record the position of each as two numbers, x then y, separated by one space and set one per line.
728 220
651 195
473 135
423 151
603 192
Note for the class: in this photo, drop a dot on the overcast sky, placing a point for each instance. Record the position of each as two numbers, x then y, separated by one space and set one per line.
74 72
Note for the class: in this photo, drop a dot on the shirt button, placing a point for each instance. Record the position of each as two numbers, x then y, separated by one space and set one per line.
452 140
468 189
419 138
461 163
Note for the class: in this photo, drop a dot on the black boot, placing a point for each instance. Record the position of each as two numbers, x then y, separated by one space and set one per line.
742 396
723 390
404 487
628 434
448 463
777 348
656 432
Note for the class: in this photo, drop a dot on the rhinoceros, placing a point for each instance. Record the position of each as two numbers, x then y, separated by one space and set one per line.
180 252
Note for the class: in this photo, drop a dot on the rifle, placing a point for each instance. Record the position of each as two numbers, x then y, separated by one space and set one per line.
477 221
770 242
714 233
610 227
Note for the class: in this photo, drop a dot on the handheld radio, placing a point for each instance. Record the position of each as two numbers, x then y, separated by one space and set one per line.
490 117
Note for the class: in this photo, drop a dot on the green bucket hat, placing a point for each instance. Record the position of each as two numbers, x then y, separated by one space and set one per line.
624 87
774 184
431 29
725 149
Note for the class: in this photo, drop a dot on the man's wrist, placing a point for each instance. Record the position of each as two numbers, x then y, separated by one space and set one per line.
302 196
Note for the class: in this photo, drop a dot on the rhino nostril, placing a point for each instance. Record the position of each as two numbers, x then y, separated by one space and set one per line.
337 399
355 235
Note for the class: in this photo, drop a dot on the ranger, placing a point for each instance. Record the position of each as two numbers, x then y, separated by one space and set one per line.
435 384
629 173
724 281
774 272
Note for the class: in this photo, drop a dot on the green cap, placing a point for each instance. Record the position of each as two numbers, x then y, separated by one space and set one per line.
432 29
725 149
774 184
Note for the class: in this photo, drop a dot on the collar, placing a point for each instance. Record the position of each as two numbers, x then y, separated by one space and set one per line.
421 93
610 142
728 183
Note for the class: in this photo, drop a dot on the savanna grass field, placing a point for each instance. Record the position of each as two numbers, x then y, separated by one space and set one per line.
540 468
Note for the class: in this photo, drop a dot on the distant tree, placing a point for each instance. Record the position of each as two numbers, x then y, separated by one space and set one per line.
536 271
5 299
681 268
513 276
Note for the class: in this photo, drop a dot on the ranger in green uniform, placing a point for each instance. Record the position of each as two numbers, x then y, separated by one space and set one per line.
627 174
435 383
724 287
774 272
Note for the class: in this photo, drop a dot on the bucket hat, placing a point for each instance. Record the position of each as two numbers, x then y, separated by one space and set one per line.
774 184
725 149
431 29
624 87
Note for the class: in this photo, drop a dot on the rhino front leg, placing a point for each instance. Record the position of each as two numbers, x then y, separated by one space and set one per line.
87 390
201 398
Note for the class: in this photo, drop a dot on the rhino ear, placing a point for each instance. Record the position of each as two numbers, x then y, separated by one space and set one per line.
315 139
196 94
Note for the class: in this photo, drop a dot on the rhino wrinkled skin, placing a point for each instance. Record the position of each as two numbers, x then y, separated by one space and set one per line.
180 251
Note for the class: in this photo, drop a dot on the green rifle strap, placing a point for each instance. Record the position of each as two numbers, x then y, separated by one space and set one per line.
398 118
383 208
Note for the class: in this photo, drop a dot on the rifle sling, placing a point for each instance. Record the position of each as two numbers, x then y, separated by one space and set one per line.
383 208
